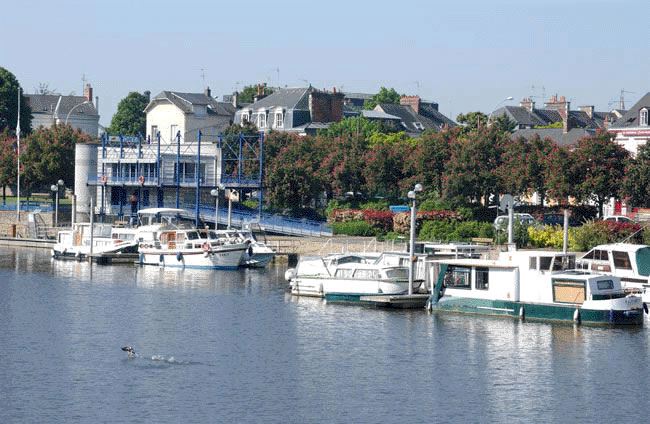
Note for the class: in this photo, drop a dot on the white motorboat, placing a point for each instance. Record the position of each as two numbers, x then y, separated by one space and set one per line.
630 262
306 278
258 254
75 243
539 285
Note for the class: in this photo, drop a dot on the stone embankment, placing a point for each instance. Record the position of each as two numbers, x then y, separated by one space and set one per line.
307 246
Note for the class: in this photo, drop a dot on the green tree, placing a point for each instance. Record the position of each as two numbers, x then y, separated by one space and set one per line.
384 169
48 154
599 167
558 174
341 169
430 157
385 95
472 121
130 118
7 161
356 126
636 184
9 104
249 92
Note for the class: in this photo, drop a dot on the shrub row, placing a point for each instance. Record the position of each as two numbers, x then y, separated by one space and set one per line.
385 221
591 234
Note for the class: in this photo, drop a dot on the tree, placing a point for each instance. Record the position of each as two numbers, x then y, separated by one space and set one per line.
430 157
7 161
341 169
357 126
636 184
384 169
130 118
472 121
560 182
599 166
249 93
47 156
9 104
385 95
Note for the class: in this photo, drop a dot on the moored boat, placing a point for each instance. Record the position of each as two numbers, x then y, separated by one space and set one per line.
536 285
75 243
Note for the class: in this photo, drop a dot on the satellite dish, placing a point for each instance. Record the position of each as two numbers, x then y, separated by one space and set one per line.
507 202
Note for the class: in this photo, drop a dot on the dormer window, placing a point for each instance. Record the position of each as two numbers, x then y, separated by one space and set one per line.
261 120
643 117
418 125
245 117
279 119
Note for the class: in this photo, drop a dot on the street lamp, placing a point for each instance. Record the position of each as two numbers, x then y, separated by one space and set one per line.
55 189
215 192
73 108
507 99
411 195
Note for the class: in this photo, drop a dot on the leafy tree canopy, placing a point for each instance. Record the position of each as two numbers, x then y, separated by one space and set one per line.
9 104
472 120
130 118
250 91
385 95
356 126
636 185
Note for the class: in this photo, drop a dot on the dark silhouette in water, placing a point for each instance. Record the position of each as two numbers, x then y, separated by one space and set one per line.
129 350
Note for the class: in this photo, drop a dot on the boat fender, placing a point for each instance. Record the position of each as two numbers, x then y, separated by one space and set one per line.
576 316
320 288
77 256
645 307
522 313
179 256
290 274
141 258
429 306
250 251
161 259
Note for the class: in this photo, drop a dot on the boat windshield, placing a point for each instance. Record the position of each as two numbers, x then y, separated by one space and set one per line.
398 273
562 263
643 261
192 235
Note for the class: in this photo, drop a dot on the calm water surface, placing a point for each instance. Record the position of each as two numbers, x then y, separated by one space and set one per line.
235 347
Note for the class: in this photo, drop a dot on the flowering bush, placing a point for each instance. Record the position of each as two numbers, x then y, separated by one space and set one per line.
381 220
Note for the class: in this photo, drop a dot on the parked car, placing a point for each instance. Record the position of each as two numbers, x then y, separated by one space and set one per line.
501 222
558 219
618 218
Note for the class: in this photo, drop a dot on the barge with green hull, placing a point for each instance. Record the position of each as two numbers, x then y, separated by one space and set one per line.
532 285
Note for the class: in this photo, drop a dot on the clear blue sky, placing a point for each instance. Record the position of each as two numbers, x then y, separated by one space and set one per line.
466 55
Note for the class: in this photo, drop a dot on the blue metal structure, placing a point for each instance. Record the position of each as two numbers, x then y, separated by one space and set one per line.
131 163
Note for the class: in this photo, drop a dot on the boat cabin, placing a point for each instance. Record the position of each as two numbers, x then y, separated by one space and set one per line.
631 262
361 271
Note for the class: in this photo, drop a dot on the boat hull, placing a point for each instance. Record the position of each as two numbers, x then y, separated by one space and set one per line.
536 311
227 258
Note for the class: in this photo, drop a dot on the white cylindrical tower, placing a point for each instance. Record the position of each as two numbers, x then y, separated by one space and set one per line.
85 169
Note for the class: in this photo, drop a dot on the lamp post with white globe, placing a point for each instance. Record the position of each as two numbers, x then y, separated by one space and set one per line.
55 188
412 195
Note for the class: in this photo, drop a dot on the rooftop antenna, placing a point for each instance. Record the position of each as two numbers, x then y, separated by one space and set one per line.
621 103
203 77
277 69
83 82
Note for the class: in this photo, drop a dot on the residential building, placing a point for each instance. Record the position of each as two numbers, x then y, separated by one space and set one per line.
171 113
297 110
416 115
55 109
632 129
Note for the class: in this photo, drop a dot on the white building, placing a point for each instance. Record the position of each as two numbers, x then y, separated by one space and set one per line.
54 109
632 129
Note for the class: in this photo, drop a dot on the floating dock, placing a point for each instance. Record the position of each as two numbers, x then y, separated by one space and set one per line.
399 301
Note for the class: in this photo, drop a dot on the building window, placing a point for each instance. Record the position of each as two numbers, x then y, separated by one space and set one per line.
261 120
173 129
279 122
482 281
245 117
643 117
154 132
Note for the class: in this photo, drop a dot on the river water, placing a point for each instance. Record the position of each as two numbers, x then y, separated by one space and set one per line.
233 346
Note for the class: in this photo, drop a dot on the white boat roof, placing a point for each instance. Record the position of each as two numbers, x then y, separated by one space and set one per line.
162 211
477 262
361 265
625 247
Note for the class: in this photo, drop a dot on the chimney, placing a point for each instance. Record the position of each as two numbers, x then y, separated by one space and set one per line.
325 107
589 110
260 92
208 92
528 104
235 99
97 104
413 101
88 92
147 94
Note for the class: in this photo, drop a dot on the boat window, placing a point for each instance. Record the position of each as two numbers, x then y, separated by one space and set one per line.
545 263
622 260
192 235
605 285
482 282
398 273
458 277
344 273
643 261
569 291
532 262
366 274
562 263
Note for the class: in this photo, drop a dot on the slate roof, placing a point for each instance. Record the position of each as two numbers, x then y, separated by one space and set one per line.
541 117
429 117
185 102
289 98
377 114
631 117
518 114
555 134
47 103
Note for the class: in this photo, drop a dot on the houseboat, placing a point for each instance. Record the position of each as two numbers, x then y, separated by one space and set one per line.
630 262
536 285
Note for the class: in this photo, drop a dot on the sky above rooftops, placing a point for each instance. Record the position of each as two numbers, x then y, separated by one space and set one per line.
465 55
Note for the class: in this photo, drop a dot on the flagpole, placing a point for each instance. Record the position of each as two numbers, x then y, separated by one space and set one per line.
18 156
